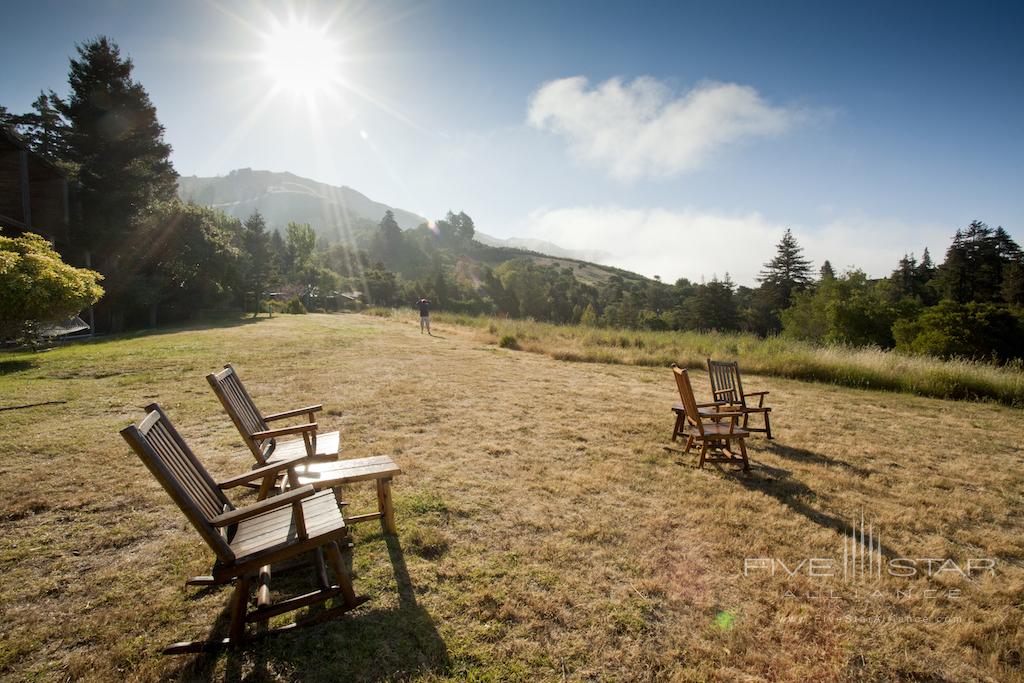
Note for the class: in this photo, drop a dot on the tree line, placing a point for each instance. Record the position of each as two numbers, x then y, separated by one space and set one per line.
164 260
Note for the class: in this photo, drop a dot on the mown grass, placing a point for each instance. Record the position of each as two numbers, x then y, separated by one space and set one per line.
544 532
867 368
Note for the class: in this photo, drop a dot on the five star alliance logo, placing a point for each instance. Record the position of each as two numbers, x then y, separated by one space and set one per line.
864 558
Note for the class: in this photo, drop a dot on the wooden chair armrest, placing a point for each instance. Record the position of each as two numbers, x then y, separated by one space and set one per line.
294 413
712 403
260 472
756 393
266 505
283 431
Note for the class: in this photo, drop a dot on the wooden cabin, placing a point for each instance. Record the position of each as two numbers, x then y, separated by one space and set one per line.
33 192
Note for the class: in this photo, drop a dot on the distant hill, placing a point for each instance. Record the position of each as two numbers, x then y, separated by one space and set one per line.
542 247
337 213
282 197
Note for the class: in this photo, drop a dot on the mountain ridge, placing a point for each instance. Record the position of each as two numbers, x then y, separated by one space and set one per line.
337 212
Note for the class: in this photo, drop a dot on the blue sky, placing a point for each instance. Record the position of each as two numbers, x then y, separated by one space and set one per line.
681 138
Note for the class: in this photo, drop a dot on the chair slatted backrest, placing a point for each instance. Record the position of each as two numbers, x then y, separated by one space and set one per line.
725 381
686 396
175 466
243 412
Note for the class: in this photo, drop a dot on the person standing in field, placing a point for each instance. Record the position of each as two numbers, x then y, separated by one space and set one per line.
424 305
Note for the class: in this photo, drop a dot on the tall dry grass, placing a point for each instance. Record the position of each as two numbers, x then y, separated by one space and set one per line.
866 368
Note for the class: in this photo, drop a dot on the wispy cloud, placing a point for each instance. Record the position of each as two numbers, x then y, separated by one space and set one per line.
697 244
642 129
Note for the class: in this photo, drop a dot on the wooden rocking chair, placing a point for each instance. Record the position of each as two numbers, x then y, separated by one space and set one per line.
247 540
727 386
322 469
714 431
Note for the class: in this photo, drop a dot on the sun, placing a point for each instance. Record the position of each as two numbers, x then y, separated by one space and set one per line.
300 58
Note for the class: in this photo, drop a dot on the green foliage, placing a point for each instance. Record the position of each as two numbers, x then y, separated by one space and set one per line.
976 264
116 143
973 330
849 310
300 242
37 287
508 342
181 259
295 307
45 128
257 266
787 273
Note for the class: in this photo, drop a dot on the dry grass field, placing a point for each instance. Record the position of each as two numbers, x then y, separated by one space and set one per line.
544 531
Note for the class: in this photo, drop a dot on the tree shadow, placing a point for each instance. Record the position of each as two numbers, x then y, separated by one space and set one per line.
805 456
9 367
174 328
366 644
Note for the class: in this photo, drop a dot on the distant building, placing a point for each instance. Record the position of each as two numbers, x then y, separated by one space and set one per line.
33 192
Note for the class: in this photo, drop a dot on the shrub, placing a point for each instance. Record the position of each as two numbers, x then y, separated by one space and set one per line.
295 306
951 329
37 287
509 342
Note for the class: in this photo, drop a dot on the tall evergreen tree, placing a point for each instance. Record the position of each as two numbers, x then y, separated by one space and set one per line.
45 128
785 275
258 261
975 262
826 272
116 144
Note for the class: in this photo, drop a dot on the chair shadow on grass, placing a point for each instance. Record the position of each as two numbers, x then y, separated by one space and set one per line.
780 484
803 455
367 644
797 496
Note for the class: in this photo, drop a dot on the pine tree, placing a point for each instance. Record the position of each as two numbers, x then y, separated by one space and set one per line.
117 146
45 128
826 272
975 264
257 262
789 272
389 238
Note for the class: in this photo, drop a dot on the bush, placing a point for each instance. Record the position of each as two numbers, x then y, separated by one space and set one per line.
295 306
37 287
509 342
973 330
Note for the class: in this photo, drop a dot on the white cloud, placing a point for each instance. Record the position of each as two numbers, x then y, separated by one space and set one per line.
697 244
639 129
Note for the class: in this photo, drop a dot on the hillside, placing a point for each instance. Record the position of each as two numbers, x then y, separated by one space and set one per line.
284 197
338 213
341 214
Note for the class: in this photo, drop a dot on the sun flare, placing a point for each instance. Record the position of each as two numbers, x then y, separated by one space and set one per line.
300 58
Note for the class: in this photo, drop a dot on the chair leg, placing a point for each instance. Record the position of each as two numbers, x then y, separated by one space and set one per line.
703 452
767 426
348 594
678 428
321 570
239 606
743 454
387 510
689 444
263 594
